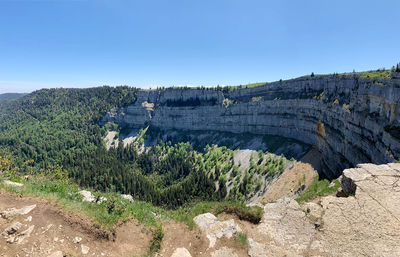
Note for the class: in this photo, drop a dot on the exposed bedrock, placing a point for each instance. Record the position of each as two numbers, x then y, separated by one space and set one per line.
350 119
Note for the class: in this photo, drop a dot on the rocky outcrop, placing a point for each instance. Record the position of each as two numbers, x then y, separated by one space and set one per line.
215 229
350 119
366 223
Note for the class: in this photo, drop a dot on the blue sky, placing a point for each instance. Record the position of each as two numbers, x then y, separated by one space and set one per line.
81 43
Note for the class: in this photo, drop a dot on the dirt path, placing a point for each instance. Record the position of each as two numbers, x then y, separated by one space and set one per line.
55 229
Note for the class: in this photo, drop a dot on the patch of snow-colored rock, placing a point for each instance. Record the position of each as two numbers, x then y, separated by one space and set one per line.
13 184
214 229
87 196
127 197
85 249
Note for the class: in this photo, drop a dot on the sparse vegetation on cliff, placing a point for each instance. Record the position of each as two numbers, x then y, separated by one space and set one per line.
319 188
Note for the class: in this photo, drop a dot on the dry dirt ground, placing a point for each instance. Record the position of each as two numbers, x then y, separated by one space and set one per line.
55 230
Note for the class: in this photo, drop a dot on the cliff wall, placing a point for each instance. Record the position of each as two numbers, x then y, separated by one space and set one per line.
350 119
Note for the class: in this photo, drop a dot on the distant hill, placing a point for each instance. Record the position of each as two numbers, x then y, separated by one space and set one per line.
10 96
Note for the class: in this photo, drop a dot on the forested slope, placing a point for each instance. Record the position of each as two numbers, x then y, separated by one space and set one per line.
55 130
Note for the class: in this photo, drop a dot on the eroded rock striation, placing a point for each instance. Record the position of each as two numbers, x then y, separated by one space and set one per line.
350 119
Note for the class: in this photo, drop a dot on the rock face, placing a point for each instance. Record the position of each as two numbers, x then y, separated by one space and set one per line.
350 119
214 228
366 223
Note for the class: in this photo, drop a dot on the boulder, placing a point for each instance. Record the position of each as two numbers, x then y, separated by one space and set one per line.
87 196
127 197
181 252
214 229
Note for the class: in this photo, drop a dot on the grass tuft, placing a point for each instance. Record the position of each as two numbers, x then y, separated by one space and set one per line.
318 188
242 238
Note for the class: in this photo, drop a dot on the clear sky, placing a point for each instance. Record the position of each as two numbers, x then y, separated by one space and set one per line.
81 43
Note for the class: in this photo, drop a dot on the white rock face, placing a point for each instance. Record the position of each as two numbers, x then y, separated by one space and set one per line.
214 229
87 196
367 223
127 197
287 224
360 128
181 252
13 184
13 211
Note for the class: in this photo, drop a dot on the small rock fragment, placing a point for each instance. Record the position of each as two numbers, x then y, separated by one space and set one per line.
24 234
77 239
56 254
11 229
29 219
85 249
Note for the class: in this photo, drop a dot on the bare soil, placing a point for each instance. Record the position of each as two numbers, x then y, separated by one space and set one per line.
55 230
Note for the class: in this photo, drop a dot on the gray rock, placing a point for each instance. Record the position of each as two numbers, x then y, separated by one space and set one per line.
56 254
13 211
85 249
127 197
87 196
214 229
12 229
181 252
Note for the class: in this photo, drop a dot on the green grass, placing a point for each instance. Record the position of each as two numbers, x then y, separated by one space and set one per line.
318 188
115 210
155 244
242 238
381 73
186 214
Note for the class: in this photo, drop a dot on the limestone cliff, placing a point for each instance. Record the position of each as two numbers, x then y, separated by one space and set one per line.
350 119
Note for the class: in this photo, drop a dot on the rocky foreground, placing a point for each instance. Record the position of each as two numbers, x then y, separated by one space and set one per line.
362 219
